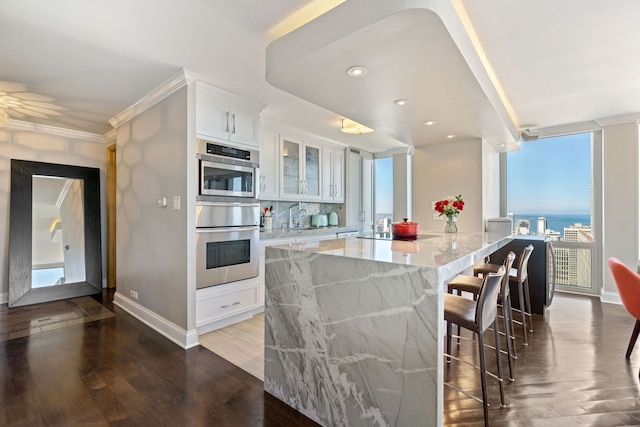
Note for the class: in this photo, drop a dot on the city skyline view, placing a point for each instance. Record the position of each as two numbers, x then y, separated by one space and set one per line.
548 178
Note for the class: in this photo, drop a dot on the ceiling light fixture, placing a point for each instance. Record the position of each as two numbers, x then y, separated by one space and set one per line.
502 145
430 123
354 128
357 71
529 136
4 117
401 102
451 136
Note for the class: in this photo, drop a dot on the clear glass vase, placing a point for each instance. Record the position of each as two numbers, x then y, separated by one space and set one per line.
451 226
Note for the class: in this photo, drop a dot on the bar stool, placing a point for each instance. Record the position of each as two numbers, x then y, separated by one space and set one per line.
519 276
477 316
473 285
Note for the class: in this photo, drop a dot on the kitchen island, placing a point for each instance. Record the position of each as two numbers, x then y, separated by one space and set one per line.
354 327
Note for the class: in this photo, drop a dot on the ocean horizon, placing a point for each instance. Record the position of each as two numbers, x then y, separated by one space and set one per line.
556 222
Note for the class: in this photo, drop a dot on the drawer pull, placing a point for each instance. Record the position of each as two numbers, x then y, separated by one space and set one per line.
229 305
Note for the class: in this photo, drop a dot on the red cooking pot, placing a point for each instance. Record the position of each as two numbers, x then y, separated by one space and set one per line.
405 229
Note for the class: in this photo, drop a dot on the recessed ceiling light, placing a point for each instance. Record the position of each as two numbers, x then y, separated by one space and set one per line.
502 145
430 123
357 71
451 136
401 102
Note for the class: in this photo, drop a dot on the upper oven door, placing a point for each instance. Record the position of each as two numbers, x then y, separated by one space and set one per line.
219 179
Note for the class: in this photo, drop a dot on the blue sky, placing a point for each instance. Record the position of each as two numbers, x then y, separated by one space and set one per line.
551 175
548 176
384 185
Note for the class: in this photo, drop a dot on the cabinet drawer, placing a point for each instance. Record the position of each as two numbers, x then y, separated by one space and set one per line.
219 305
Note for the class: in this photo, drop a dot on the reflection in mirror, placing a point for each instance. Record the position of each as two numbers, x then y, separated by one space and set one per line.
54 230
57 231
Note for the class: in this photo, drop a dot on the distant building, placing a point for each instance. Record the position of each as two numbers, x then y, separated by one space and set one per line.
574 264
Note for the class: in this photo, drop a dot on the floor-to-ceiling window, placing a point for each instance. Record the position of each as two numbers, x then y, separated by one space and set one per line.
550 192
383 196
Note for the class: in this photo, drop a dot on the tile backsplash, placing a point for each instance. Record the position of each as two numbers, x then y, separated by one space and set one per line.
281 211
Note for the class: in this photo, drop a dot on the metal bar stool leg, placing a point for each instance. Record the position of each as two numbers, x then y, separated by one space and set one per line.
527 298
496 335
483 379
512 328
522 312
449 328
507 336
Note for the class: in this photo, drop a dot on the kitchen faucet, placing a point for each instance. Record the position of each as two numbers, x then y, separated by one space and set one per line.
301 213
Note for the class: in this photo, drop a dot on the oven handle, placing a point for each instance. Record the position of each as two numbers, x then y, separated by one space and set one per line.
226 229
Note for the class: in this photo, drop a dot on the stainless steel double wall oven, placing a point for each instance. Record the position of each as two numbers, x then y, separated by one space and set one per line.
227 215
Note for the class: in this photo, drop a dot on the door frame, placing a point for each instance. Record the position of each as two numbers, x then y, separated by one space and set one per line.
111 216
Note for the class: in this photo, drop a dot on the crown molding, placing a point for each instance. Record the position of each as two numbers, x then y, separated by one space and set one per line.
20 125
617 120
110 136
162 91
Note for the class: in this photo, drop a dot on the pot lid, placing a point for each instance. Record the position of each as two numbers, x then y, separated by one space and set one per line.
405 222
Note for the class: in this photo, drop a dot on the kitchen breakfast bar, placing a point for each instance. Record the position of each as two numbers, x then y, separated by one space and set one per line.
354 327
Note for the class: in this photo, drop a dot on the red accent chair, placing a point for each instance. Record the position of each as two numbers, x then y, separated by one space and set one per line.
628 283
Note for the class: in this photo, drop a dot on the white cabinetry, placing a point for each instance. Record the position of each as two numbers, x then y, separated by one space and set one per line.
223 305
300 163
333 174
360 189
269 165
222 116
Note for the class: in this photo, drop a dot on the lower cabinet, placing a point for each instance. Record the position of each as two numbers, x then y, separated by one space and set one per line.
224 305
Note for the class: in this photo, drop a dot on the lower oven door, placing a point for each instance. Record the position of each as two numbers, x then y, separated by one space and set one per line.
226 255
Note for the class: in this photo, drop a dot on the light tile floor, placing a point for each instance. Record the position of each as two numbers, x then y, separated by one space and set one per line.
241 344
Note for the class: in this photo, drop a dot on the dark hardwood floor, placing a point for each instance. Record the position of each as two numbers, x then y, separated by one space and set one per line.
572 373
117 371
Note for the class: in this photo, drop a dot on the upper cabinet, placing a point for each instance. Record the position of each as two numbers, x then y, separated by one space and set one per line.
223 116
300 169
359 207
269 181
333 174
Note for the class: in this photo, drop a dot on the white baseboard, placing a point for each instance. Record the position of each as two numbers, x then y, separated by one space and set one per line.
4 298
185 339
204 326
611 298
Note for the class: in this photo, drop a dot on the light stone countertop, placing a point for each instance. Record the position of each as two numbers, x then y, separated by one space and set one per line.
451 254
278 233
354 327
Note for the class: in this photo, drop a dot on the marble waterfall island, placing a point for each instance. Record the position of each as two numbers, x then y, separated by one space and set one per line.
354 327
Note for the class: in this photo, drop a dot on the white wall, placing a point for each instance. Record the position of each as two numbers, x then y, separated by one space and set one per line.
35 146
448 169
490 182
620 197
72 217
155 157
402 186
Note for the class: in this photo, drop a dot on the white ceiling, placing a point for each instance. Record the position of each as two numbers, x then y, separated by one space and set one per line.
76 64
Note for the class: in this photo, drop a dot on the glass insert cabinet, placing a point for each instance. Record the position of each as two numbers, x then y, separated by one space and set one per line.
301 163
